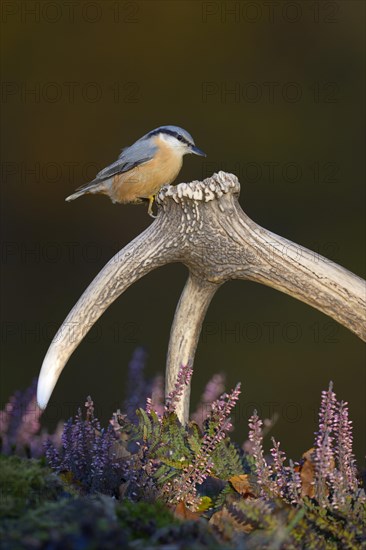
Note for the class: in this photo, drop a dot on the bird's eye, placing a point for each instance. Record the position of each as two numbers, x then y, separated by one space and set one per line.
180 138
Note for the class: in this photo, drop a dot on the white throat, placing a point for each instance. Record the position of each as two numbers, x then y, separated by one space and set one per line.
178 147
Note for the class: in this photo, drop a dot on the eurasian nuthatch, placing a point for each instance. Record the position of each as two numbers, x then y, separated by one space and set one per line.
142 169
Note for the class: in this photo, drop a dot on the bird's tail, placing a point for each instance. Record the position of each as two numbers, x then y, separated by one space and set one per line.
94 186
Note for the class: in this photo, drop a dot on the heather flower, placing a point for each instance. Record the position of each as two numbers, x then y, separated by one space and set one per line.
214 388
263 470
344 439
87 453
293 484
19 420
344 481
221 410
20 427
266 427
218 422
335 482
324 460
183 379
279 458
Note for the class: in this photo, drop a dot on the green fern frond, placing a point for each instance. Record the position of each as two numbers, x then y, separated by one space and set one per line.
227 460
144 426
223 495
194 438
256 512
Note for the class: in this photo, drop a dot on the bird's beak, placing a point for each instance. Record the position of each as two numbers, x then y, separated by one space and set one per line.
197 151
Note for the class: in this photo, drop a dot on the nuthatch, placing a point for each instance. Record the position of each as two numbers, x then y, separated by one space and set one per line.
142 169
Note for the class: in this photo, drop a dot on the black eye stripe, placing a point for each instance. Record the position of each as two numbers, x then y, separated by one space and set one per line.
170 133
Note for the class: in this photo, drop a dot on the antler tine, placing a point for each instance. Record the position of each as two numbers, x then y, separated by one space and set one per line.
138 258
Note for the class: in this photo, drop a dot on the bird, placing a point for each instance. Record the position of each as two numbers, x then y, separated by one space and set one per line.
142 169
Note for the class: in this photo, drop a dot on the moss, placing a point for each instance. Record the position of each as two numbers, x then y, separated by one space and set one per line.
25 484
189 535
143 519
84 522
37 512
100 521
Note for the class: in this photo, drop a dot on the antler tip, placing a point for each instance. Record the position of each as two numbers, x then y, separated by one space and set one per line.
47 379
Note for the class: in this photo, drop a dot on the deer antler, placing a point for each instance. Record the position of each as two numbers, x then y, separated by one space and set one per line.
202 225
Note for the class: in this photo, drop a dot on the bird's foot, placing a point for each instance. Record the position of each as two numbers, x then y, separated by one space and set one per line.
150 208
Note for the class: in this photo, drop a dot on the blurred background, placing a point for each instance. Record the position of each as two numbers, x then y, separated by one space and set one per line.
271 91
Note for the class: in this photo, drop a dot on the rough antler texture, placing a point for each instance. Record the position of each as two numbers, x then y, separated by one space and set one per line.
202 225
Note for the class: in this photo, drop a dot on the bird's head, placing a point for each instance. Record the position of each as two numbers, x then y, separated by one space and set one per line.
176 138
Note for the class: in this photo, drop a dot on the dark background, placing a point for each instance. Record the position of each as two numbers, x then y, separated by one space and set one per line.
272 91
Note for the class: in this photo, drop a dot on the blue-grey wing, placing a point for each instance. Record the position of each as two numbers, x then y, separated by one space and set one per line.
130 157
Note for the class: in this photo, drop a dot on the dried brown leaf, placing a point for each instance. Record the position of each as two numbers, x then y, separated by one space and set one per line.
182 512
241 485
307 474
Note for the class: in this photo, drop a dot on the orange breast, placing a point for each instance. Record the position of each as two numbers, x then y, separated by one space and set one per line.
146 179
